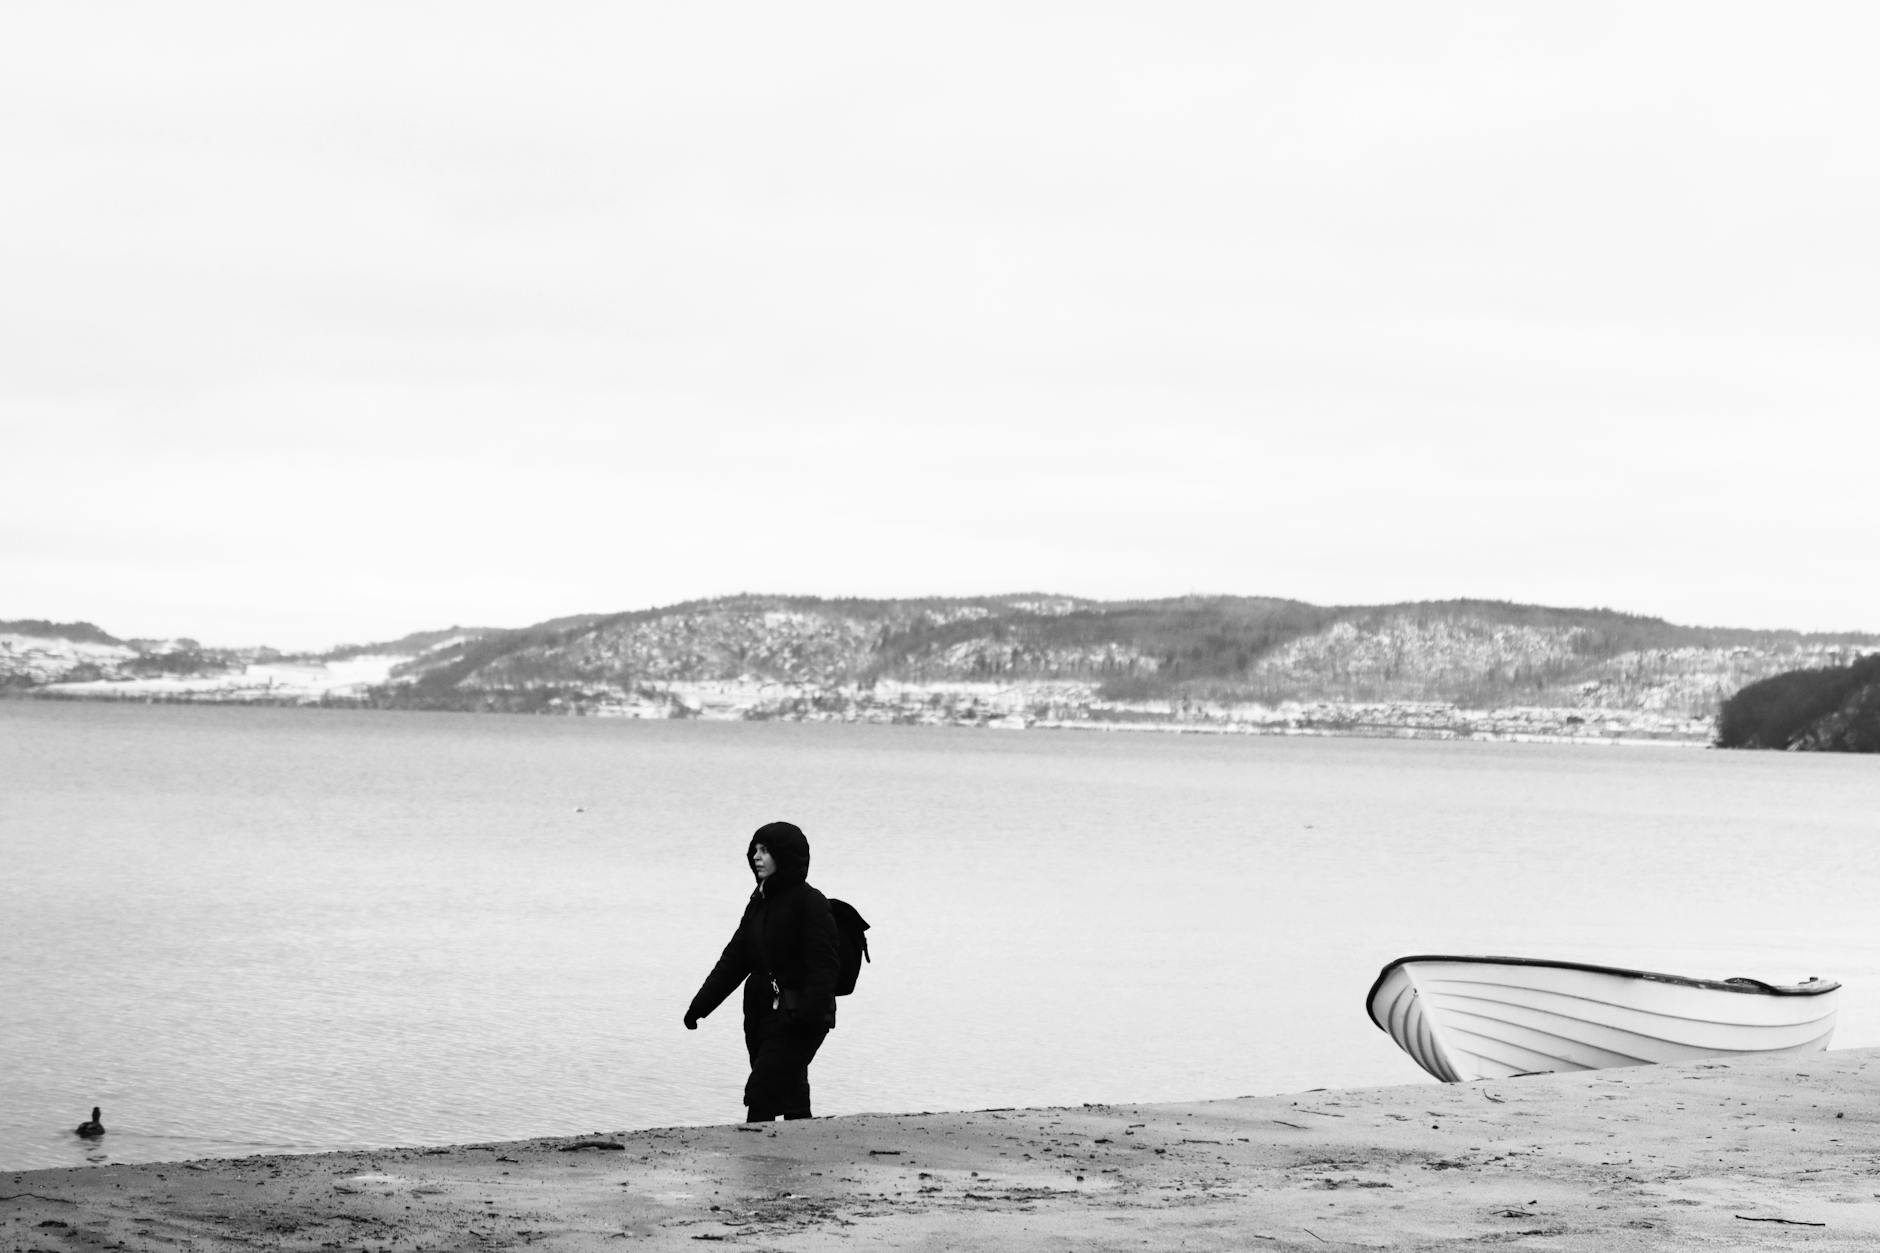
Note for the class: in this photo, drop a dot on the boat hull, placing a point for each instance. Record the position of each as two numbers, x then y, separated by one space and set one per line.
1468 1018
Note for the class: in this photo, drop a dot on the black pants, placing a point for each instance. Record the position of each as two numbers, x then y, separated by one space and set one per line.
780 1056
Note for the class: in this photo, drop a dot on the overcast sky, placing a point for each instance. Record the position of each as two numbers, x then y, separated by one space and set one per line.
329 322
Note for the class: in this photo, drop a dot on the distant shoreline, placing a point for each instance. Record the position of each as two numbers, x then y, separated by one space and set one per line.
1435 670
1427 721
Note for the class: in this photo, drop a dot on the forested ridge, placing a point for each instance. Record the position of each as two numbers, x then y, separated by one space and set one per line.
1495 667
1832 708
1203 648
40 628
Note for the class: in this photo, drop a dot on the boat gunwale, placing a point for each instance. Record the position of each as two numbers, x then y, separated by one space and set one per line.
1751 987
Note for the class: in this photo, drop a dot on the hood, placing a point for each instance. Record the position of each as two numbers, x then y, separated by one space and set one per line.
788 845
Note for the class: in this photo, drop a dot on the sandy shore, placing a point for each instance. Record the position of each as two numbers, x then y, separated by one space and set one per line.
1770 1153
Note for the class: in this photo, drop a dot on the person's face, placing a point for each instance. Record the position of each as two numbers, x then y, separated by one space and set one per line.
766 864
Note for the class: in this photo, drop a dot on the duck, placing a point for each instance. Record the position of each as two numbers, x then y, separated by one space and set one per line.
92 1129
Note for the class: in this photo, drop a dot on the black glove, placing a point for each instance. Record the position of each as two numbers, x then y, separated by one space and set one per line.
691 1021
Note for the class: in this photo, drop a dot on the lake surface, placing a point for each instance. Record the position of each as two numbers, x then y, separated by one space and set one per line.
275 930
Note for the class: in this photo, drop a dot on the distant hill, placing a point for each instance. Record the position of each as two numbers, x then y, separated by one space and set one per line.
1444 668
1836 708
39 628
1221 649
411 645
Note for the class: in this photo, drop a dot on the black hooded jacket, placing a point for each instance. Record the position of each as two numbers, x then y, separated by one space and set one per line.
787 932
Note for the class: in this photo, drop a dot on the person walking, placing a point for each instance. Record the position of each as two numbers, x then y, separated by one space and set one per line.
784 951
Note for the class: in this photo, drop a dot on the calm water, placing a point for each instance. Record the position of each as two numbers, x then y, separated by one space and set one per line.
258 930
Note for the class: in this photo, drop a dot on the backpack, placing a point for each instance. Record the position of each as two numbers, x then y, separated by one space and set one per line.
851 945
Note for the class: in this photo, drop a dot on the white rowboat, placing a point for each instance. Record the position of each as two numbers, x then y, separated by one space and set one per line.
1465 1018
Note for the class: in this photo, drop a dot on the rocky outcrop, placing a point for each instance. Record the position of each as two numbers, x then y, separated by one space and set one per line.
1853 727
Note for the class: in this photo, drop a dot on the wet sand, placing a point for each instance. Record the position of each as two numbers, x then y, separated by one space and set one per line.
1768 1153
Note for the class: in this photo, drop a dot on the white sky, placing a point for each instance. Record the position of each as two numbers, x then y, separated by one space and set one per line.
329 322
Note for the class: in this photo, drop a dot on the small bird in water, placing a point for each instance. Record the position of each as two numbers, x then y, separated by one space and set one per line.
94 1128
